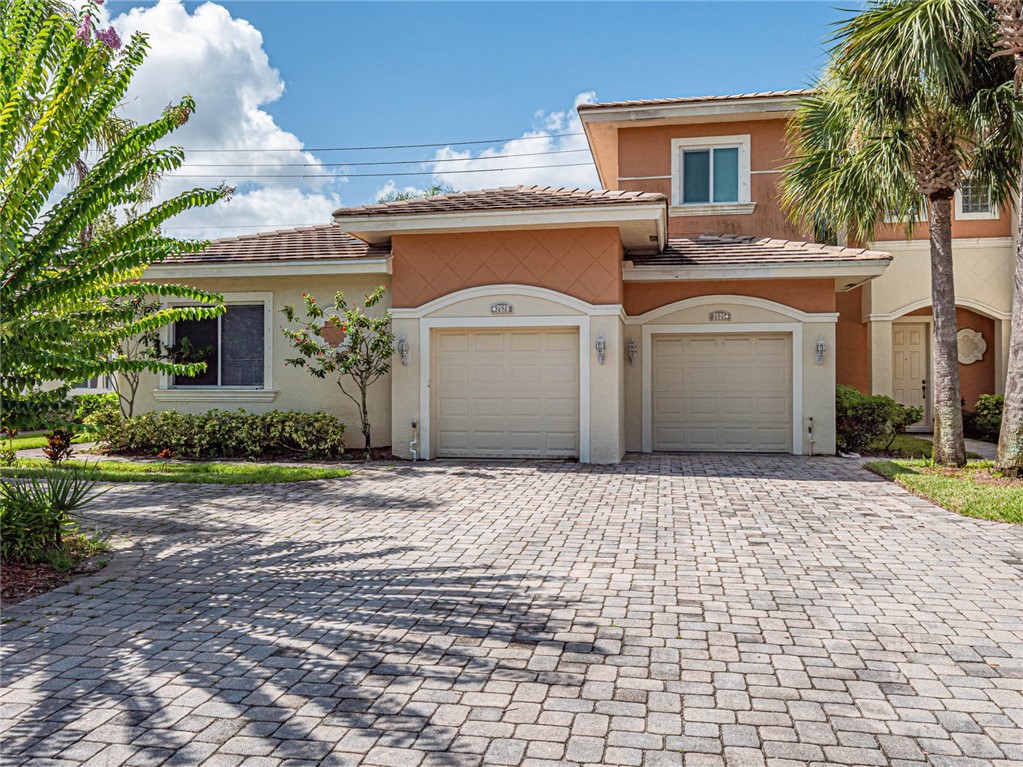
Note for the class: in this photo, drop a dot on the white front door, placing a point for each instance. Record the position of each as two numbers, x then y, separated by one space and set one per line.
910 368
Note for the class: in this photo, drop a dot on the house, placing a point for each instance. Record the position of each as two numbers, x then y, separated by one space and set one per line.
676 309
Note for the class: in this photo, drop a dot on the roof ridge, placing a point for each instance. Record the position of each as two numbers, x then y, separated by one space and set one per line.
667 101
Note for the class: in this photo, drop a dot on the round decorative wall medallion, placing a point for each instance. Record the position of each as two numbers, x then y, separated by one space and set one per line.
971 346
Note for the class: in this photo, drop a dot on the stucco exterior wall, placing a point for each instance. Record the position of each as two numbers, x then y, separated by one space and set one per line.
295 388
814 295
644 164
851 342
584 263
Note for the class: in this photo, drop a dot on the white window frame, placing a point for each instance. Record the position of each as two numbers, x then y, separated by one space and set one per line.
679 145
990 215
267 299
106 388
888 218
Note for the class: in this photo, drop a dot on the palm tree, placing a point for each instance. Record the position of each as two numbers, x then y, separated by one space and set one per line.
399 195
1009 19
911 102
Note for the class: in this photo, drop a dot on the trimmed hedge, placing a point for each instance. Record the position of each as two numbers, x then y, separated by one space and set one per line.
863 419
225 434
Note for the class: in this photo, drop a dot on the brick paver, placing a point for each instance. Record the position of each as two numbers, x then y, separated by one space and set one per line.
673 610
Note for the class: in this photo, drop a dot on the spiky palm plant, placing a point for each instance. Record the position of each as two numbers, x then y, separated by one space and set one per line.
910 103
60 82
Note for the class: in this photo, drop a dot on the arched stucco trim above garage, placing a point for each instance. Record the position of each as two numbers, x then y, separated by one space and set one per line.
812 384
925 303
511 307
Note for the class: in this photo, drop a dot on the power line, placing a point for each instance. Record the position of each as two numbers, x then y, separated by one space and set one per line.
382 175
395 146
377 162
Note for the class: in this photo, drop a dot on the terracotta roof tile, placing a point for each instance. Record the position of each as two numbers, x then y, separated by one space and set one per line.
502 198
735 250
794 93
325 241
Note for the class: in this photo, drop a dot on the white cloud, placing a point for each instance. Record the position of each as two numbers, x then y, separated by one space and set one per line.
529 167
220 61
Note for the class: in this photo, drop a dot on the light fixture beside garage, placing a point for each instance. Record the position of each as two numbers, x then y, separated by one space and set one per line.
601 347
821 347
403 350
633 351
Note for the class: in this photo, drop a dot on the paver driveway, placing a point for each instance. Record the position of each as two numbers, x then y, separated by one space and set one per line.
673 610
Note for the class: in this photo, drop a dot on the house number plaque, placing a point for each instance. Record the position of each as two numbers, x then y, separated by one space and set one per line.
720 315
501 309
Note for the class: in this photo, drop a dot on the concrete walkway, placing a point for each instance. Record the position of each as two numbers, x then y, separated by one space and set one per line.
698 611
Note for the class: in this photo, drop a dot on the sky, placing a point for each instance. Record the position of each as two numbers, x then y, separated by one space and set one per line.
280 83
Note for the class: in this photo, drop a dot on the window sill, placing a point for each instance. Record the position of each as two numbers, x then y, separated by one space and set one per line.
977 216
240 396
713 209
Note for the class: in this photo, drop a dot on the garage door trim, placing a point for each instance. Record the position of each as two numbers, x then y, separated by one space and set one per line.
428 325
793 328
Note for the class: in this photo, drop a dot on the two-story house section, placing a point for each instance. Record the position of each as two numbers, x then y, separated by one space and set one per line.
718 160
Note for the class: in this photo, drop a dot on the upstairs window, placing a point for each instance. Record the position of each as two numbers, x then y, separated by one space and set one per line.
711 171
233 346
96 384
973 201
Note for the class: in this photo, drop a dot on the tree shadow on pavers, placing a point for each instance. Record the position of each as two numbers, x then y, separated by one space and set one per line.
283 647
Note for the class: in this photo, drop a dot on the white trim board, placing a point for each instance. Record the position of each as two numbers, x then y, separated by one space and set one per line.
504 290
724 298
207 270
966 303
795 329
834 270
428 325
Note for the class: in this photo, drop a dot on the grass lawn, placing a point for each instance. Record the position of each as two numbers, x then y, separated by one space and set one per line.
907 446
35 439
974 491
194 473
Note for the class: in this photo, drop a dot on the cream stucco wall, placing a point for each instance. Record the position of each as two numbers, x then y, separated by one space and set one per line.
295 388
816 398
600 434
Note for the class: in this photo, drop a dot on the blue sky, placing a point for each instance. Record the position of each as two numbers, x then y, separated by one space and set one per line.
398 73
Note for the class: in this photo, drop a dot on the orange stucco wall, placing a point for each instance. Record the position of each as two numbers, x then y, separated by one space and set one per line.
852 366
585 263
647 152
979 377
805 295
1000 227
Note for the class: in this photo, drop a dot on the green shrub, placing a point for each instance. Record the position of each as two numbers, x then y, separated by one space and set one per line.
92 405
36 514
986 421
226 434
862 419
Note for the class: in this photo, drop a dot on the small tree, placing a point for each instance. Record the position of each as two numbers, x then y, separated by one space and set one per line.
362 354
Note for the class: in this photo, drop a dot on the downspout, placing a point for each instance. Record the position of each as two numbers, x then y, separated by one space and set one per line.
413 445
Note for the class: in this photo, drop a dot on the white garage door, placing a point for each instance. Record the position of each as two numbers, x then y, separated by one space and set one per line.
726 393
506 393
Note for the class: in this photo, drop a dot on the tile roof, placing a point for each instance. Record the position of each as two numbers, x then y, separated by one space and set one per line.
794 93
737 250
502 198
323 241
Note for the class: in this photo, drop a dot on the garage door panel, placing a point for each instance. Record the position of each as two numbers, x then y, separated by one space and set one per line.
522 395
726 392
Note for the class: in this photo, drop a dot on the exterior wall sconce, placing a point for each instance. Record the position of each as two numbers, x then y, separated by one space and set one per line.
403 350
601 347
821 347
633 351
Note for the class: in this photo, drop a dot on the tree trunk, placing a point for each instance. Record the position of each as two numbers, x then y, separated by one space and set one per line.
949 448
365 420
1010 436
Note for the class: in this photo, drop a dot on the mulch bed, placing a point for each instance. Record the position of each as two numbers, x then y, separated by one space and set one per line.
980 476
21 580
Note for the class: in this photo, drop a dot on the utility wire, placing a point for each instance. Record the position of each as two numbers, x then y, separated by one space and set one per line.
380 175
395 146
377 162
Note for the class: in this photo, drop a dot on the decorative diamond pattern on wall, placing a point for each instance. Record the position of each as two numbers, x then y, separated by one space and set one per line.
585 263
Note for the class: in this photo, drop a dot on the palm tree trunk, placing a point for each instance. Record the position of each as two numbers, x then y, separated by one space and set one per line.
949 448
1010 436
